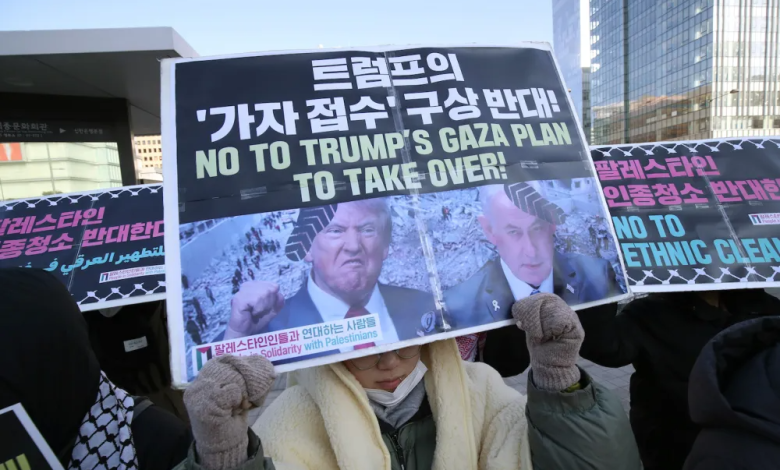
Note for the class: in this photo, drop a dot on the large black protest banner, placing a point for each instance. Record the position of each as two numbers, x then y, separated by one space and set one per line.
700 215
352 201
106 246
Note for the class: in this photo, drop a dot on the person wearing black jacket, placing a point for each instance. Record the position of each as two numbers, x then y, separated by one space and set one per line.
661 335
132 346
734 396
48 365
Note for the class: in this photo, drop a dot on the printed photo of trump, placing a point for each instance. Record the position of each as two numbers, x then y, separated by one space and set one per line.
345 245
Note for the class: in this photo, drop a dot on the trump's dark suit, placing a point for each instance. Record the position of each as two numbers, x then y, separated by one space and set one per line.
405 306
411 311
486 297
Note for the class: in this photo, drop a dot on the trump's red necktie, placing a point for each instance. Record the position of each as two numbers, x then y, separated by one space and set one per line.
358 312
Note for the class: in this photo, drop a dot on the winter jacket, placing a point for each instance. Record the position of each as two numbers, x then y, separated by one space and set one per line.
479 420
324 421
161 439
143 370
734 396
662 336
414 442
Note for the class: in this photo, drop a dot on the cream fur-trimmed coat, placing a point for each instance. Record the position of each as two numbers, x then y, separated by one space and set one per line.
324 421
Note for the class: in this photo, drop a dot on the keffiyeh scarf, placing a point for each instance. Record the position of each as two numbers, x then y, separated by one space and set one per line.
105 440
470 346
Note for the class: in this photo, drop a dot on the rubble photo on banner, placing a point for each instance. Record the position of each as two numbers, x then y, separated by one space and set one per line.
372 199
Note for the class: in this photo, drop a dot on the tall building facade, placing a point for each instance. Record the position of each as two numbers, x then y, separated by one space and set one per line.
586 108
684 69
148 158
32 169
571 41
148 152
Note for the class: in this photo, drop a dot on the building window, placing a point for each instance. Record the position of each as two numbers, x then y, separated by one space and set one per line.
757 98
776 123
757 123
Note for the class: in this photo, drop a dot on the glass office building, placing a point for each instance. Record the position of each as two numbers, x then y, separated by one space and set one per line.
586 108
566 43
683 69
571 46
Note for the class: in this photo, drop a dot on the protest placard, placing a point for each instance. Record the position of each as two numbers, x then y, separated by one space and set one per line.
22 446
332 204
106 246
699 215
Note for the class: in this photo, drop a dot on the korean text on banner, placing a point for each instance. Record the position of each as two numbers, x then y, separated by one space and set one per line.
425 189
106 246
698 215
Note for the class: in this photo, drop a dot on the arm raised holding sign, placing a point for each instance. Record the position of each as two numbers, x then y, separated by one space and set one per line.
562 398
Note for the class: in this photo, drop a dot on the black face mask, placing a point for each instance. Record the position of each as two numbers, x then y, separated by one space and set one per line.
46 361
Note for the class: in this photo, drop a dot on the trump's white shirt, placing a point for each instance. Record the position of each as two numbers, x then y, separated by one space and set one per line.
521 289
332 308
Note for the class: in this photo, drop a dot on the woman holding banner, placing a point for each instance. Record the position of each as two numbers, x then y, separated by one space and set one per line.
416 408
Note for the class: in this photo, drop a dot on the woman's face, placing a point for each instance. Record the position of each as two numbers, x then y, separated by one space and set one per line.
387 374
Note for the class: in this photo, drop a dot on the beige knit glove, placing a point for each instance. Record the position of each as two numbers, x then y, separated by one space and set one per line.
217 402
553 334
